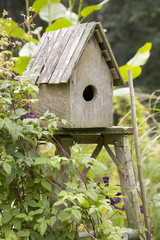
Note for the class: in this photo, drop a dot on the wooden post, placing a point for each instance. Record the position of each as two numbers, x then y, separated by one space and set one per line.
128 185
139 162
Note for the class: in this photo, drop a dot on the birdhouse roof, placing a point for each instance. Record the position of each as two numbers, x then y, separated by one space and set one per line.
58 52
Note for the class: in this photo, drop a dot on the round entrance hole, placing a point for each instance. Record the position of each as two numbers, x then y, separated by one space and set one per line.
89 93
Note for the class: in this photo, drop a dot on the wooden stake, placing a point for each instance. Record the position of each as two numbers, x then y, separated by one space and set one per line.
139 163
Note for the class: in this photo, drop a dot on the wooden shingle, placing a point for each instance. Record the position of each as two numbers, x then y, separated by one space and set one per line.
58 53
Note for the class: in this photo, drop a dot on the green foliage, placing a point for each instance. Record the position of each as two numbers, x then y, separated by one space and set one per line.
134 63
130 24
60 23
43 195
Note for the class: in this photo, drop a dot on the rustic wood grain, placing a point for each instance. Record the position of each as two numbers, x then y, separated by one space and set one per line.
128 186
55 53
106 55
98 36
54 98
43 53
106 44
38 48
87 34
91 70
67 54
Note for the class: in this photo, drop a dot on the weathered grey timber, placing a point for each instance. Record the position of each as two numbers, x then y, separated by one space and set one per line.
77 71
132 234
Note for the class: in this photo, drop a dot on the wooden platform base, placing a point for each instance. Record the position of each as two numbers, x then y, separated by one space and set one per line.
103 137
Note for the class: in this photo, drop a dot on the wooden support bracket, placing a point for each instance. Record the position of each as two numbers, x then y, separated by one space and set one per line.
116 161
94 155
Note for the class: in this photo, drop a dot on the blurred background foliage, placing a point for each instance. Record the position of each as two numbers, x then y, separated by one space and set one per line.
129 24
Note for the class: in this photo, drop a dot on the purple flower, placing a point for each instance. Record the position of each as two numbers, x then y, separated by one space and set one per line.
114 201
106 180
27 115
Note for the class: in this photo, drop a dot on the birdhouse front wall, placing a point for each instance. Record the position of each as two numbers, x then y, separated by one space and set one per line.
54 98
91 89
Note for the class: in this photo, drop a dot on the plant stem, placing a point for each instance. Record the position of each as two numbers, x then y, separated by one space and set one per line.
27 11
19 194
49 12
79 10
139 163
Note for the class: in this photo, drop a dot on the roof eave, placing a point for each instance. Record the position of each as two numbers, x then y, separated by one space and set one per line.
118 79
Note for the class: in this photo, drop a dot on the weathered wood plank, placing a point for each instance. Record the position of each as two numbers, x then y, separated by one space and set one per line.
128 235
67 54
114 74
98 36
88 32
106 44
55 99
107 130
128 186
44 52
106 55
116 161
55 53
38 48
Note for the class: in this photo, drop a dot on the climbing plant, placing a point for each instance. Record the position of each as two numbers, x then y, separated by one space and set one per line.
35 201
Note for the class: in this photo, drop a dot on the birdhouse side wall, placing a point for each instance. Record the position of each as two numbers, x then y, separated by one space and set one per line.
55 99
91 89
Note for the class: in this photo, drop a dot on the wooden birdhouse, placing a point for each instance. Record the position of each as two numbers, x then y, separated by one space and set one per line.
77 72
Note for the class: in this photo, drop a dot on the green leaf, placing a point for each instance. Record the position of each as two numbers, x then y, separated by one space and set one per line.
59 24
7 216
13 30
85 204
42 228
141 56
15 133
39 161
10 235
22 215
1 123
17 224
46 185
24 233
99 168
63 215
121 91
10 177
136 71
27 50
21 64
32 203
73 17
88 10
147 47
7 168
20 111
53 220
8 125
57 10
36 212
39 4
92 194
77 214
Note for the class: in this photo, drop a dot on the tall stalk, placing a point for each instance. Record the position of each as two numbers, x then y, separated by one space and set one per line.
27 13
139 162
79 10
49 12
